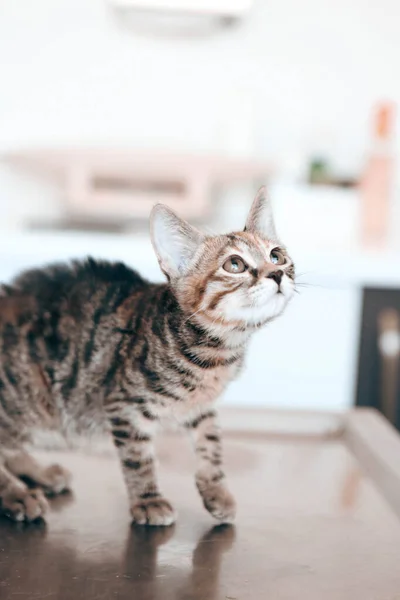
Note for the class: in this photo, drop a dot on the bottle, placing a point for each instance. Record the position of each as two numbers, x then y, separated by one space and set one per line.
376 186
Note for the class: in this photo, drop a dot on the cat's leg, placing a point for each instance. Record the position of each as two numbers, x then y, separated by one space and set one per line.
210 478
135 443
54 479
17 501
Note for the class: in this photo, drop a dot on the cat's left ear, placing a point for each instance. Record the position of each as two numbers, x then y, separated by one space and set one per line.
260 219
174 241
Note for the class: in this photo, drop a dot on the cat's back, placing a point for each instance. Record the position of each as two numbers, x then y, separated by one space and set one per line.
58 335
71 286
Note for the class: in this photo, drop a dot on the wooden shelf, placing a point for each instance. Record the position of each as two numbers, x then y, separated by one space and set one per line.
126 183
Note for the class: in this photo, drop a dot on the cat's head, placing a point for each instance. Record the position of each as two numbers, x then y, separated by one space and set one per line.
239 280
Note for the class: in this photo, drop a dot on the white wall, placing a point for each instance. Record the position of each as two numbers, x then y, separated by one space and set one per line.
302 75
297 77
69 72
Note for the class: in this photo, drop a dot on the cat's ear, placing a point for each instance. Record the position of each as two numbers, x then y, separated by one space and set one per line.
260 219
174 241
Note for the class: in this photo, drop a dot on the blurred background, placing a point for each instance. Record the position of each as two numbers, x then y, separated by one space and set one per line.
108 106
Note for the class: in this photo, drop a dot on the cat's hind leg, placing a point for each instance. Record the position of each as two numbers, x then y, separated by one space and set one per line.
54 479
17 501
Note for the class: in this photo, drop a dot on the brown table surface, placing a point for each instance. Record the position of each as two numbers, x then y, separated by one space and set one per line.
316 520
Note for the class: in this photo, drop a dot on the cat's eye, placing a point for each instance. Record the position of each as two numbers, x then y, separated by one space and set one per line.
277 257
234 264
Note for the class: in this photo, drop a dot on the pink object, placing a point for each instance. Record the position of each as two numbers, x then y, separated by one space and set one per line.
126 183
376 184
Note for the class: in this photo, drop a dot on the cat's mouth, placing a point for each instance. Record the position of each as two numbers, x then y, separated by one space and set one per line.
265 295
270 298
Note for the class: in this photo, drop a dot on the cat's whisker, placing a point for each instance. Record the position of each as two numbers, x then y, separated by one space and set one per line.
305 284
305 273
191 316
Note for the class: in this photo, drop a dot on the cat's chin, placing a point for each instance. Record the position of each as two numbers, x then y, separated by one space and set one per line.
272 309
260 307
254 314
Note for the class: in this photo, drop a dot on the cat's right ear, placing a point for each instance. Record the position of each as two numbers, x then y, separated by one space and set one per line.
260 219
175 241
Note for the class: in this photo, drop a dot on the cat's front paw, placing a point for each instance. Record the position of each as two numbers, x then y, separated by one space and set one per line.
21 504
219 501
153 511
56 480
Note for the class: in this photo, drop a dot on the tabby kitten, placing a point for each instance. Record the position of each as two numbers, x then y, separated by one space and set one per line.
92 347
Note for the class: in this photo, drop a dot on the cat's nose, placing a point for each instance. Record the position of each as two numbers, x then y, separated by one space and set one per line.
276 276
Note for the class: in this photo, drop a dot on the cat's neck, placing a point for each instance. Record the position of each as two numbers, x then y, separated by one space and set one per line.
230 335
204 331
210 332
199 339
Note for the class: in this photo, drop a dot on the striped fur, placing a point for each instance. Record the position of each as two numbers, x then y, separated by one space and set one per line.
92 347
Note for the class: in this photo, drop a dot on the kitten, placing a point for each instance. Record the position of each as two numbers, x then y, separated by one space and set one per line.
92 347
